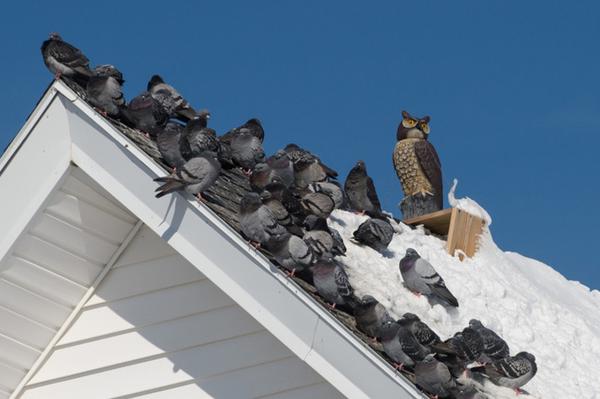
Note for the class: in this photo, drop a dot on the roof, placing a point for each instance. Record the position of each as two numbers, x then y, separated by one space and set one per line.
124 162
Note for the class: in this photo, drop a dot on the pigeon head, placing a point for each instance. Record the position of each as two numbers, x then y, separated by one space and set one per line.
526 355
203 114
154 80
368 300
261 167
429 358
360 169
254 121
109 70
265 195
411 317
473 323
388 330
291 147
411 253
250 203
54 36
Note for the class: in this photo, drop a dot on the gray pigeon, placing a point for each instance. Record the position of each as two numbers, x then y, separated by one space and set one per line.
419 276
425 335
197 137
170 99
318 204
331 282
494 347
511 372
280 212
434 377
281 168
400 344
307 170
246 150
145 113
252 126
257 222
104 90
63 59
288 199
260 176
194 177
370 316
375 233
330 188
360 191
168 143
291 252
467 344
326 239
300 155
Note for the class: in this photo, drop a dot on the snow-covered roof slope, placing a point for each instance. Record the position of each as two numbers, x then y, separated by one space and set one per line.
525 301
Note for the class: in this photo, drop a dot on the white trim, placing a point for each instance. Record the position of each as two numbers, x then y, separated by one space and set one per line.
71 319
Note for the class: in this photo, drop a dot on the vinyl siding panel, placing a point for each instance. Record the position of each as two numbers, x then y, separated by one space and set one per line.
157 328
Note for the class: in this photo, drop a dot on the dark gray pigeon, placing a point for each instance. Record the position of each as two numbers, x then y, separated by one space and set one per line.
260 176
280 212
420 277
252 126
63 59
288 199
257 222
375 233
281 168
291 252
197 137
170 99
104 90
494 347
331 282
194 177
370 316
327 240
434 377
425 335
168 143
318 204
401 345
511 372
360 191
246 150
330 188
146 114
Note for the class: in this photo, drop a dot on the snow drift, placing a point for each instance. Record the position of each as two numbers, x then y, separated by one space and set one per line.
533 307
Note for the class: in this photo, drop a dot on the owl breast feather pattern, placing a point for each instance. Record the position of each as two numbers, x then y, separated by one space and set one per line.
408 168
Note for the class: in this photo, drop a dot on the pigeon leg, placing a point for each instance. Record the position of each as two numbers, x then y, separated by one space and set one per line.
101 112
247 172
254 244
399 366
331 306
518 391
417 294
292 273
200 197
57 75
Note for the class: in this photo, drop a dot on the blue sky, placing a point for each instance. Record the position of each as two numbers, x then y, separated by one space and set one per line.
513 89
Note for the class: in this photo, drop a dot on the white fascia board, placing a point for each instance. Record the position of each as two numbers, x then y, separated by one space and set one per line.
32 167
227 260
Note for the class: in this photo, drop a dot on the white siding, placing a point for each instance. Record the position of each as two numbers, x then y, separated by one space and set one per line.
51 267
157 328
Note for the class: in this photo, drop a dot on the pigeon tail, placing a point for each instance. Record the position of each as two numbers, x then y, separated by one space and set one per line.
444 294
170 186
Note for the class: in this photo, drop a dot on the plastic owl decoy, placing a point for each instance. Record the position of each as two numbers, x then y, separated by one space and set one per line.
418 167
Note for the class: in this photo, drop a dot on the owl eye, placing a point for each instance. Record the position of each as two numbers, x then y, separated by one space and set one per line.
408 123
424 127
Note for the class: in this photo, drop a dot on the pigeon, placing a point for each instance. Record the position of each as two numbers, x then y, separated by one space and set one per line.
470 393
280 212
419 276
318 204
257 221
291 252
318 231
168 143
297 153
281 167
467 345
425 335
360 191
307 170
197 137
331 282
63 59
260 177
252 127
332 189
400 344
494 347
104 90
246 150
145 113
434 377
370 316
170 99
375 233
194 177
511 372
287 197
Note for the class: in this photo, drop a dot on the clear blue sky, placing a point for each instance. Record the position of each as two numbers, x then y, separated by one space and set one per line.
513 89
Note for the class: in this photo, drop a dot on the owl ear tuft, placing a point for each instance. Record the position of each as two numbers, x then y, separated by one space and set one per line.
426 118
405 115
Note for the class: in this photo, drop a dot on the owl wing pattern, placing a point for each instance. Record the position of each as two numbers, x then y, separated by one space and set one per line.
431 165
